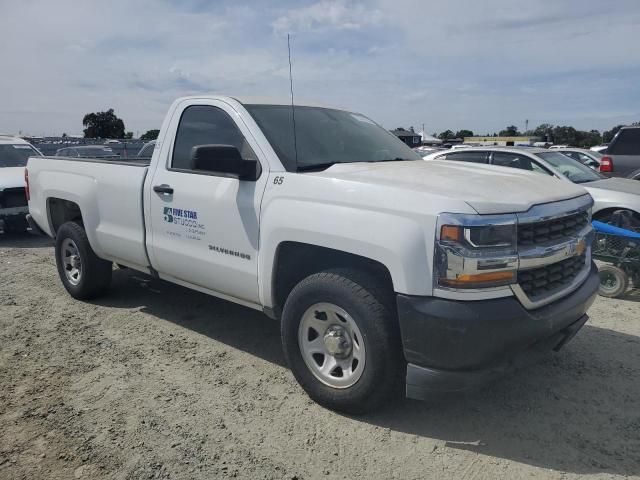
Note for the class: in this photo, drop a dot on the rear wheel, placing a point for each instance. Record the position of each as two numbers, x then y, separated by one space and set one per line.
613 281
341 340
82 272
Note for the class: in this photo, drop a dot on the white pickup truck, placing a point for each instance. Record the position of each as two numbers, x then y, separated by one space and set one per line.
384 270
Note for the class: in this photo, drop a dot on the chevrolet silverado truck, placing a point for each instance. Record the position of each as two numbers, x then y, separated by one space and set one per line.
385 272
14 153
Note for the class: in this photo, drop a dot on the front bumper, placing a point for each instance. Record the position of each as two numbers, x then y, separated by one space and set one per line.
454 345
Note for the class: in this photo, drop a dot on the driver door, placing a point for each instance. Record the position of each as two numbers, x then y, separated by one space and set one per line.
205 226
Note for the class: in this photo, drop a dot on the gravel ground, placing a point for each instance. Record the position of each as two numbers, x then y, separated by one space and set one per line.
157 381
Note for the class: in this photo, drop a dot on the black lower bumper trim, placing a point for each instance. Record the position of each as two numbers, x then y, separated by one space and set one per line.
452 345
423 382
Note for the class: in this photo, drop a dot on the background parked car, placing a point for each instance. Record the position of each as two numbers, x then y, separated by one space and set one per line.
147 149
589 158
609 194
14 153
88 151
422 151
622 156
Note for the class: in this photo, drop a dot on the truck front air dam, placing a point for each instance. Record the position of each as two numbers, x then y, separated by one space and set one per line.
456 345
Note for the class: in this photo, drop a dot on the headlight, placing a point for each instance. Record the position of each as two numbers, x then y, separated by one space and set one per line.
475 251
486 236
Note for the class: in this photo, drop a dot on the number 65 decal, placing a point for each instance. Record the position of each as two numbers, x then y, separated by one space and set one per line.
278 180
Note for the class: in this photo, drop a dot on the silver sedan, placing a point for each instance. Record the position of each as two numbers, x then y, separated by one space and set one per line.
609 194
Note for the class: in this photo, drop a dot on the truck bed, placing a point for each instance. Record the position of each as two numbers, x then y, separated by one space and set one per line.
109 195
133 162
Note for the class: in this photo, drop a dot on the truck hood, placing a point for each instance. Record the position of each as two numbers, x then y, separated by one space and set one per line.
623 185
488 189
11 177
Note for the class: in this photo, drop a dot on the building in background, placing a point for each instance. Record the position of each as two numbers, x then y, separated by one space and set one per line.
409 137
501 141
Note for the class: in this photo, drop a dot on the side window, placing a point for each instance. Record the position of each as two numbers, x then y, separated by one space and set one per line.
206 125
627 142
587 160
514 160
475 157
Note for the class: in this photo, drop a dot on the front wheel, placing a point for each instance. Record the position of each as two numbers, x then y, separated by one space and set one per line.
341 340
613 281
81 271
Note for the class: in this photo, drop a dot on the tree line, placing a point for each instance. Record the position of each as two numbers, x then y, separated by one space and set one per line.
108 125
560 135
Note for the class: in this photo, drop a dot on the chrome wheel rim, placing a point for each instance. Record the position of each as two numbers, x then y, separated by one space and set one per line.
71 261
331 345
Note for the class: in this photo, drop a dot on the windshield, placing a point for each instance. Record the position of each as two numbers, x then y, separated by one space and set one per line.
16 155
572 169
325 136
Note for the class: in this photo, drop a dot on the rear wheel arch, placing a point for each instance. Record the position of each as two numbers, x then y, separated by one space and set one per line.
61 211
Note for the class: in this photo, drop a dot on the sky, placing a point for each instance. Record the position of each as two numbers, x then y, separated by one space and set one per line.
478 65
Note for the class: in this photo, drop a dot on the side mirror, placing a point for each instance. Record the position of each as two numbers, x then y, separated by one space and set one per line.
225 161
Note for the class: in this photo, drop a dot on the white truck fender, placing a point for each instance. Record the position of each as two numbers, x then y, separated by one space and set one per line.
396 242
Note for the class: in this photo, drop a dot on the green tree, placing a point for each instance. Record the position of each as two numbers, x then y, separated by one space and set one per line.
128 135
150 135
564 135
510 131
103 125
446 135
464 133
543 132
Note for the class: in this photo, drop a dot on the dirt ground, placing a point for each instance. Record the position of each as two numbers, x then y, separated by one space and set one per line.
157 381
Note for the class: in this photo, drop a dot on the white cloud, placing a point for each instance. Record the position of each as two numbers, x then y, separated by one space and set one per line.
328 14
463 64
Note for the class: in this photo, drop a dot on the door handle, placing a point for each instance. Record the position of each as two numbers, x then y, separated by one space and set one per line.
164 189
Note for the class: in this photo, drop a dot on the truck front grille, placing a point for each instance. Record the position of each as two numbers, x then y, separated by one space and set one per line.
13 197
541 281
551 230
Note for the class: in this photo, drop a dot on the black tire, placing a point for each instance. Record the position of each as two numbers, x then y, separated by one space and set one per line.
613 281
372 307
95 275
